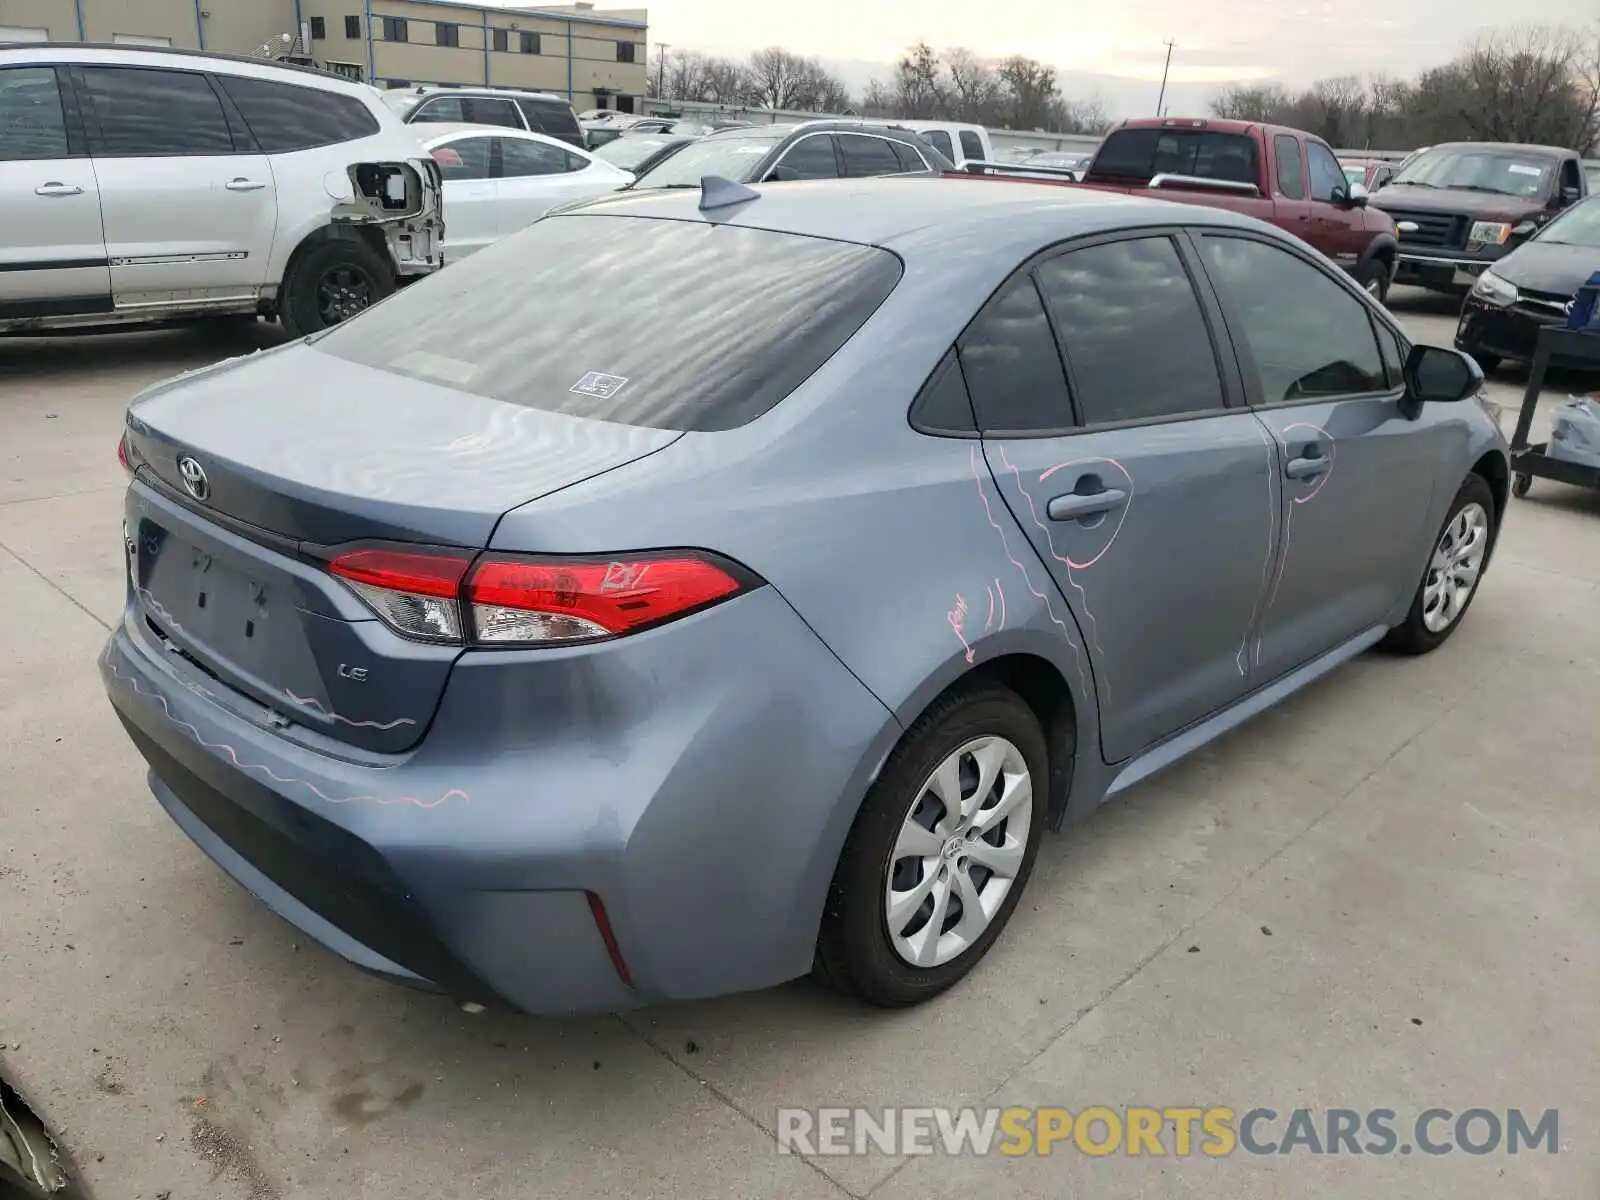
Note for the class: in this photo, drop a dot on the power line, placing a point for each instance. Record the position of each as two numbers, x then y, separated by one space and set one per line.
1161 99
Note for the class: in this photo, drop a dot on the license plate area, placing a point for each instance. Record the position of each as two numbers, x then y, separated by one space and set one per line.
207 602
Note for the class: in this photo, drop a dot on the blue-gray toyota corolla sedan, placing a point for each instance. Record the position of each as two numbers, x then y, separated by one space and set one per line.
695 590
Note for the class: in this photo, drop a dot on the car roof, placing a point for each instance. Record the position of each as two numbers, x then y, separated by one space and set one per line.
914 215
1527 148
443 131
475 89
161 56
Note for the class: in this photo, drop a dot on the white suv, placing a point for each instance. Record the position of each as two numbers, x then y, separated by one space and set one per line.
144 185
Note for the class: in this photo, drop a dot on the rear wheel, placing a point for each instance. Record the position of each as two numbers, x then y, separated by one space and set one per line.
331 282
940 852
1454 571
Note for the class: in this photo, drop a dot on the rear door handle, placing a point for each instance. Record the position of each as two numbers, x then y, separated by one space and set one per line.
54 188
1075 505
1306 467
245 185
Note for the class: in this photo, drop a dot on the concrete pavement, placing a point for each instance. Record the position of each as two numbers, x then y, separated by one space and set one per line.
1417 835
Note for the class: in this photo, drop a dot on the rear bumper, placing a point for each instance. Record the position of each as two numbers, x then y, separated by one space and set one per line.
702 798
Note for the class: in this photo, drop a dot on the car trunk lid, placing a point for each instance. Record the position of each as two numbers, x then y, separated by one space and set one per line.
253 474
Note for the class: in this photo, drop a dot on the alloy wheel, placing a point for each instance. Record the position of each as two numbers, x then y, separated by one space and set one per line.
959 851
342 292
1455 568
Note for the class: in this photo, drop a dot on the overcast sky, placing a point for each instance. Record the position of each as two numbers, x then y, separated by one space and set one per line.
1119 42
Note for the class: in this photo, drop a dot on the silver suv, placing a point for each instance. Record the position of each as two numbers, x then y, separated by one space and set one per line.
538 112
155 185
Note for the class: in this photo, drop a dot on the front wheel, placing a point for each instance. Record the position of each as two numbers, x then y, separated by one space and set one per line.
1373 276
330 283
940 852
1454 571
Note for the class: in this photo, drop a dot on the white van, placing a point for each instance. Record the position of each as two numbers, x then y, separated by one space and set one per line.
960 143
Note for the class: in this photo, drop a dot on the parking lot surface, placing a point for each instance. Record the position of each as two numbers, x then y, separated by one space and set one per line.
1380 895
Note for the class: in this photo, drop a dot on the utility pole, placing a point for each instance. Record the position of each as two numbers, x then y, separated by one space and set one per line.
1162 98
661 69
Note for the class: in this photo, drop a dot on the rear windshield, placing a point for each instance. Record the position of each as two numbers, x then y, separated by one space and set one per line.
733 157
666 324
1142 154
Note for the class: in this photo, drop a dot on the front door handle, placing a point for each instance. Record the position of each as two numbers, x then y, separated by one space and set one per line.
1306 467
1075 505
244 185
54 188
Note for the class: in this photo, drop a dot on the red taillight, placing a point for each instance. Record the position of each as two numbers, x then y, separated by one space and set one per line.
512 600
414 593
122 454
531 601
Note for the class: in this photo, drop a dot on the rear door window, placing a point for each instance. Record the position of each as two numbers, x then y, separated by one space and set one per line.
1012 367
283 117
521 157
720 322
485 110
32 122
1291 175
551 116
910 159
865 157
140 112
809 158
1106 299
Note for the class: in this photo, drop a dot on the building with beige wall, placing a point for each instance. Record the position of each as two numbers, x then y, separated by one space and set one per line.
595 57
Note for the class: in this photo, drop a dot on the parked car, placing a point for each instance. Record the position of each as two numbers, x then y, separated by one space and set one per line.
496 181
486 685
678 125
1283 176
811 150
150 185
538 112
1460 206
1371 174
639 153
600 132
960 142
1532 287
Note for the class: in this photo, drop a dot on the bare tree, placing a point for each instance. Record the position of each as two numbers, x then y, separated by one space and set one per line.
819 91
1079 116
774 76
919 82
685 76
975 90
726 82
878 100
1251 102
1030 89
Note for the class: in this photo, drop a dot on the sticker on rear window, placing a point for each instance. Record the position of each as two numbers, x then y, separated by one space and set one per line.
599 385
1519 169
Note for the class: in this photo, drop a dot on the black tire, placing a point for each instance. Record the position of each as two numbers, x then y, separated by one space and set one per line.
854 950
1487 363
1520 484
1412 636
330 282
1373 277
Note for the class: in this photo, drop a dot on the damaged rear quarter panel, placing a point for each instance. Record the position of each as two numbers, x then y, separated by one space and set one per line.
359 185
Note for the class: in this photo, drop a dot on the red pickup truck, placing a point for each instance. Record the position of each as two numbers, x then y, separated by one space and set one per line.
1284 176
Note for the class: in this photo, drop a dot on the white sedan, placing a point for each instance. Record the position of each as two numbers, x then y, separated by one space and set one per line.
498 180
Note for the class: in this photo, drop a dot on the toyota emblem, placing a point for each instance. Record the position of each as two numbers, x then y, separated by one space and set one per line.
194 478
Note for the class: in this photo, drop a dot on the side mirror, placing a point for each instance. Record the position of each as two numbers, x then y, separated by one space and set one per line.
1569 196
1356 195
1435 375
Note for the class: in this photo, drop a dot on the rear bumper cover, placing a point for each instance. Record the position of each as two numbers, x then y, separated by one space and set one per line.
698 779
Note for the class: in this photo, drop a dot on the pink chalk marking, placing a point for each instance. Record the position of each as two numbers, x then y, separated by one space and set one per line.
988 623
1121 520
1001 592
957 617
972 457
1242 659
309 702
233 756
1288 520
